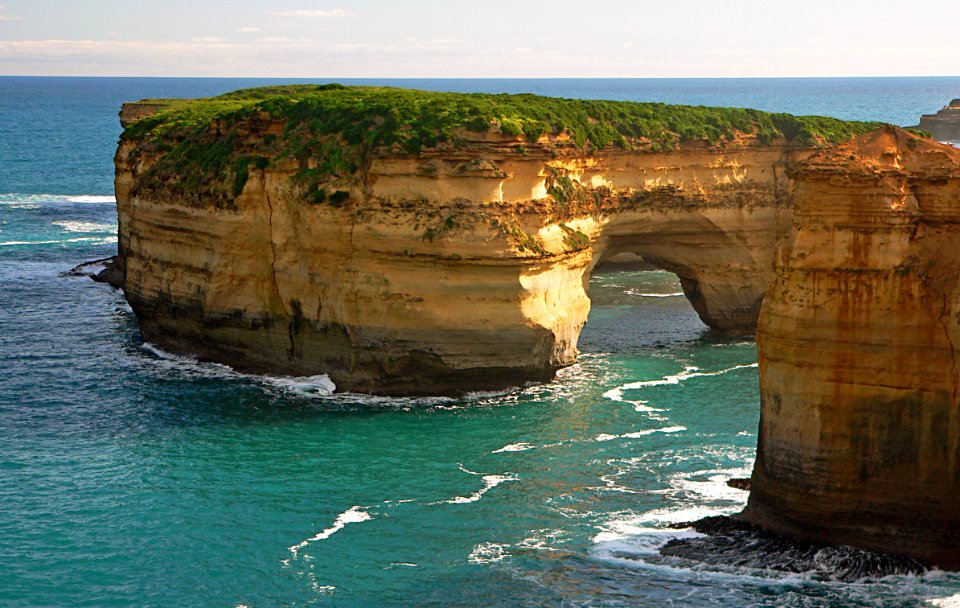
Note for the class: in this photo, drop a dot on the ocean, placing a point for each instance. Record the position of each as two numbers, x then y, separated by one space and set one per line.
133 477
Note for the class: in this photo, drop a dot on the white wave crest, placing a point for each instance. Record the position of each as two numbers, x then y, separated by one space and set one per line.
715 487
12 243
638 434
93 240
644 540
616 394
643 294
320 385
16 198
489 483
353 515
69 226
92 198
514 447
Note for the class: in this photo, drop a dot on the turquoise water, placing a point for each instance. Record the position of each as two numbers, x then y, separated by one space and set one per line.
129 476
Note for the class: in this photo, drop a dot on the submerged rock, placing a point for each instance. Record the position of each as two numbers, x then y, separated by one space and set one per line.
740 483
729 542
104 270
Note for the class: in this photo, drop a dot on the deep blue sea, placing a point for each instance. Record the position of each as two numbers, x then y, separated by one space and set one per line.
131 477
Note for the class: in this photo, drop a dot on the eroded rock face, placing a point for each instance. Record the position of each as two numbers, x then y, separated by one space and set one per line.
465 267
447 271
858 344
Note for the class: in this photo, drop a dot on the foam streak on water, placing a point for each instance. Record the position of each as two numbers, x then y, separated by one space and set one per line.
489 483
353 515
55 199
130 476
634 292
319 385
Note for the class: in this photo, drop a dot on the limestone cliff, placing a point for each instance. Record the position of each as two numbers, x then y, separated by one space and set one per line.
860 427
411 243
460 266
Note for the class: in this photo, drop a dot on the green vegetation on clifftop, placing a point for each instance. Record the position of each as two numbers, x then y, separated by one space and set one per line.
332 129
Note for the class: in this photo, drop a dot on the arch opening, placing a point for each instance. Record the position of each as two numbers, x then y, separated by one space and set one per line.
636 305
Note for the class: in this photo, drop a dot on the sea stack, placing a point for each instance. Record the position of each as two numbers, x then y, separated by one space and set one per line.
858 340
421 243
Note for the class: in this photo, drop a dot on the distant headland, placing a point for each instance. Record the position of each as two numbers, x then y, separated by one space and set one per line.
945 124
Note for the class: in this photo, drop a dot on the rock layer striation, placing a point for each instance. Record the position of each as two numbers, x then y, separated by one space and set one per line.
945 124
456 260
460 267
860 427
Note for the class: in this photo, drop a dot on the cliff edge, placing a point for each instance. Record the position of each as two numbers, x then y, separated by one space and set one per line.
414 243
945 124
411 243
858 339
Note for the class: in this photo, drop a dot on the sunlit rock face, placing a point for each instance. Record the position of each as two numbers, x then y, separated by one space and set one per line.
858 344
446 271
464 266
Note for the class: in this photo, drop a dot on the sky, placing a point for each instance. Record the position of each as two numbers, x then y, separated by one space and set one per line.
488 38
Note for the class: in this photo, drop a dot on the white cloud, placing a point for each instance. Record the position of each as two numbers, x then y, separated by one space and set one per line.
7 17
248 30
308 14
316 57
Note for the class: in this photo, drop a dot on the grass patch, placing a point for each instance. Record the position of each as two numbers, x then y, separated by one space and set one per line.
332 129
574 240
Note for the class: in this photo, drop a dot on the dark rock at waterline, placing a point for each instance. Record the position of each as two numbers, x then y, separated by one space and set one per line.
730 542
111 275
104 270
740 483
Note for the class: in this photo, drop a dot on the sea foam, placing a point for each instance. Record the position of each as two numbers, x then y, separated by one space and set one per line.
16 198
69 226
353 515
489 483
616 394
310 386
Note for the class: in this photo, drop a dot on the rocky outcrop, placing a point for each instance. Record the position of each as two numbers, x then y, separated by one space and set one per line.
945 124
133 111
450 270
457 259
860 428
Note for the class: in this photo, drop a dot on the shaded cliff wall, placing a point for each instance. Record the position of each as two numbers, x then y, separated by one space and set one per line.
860 430
945 124
447 271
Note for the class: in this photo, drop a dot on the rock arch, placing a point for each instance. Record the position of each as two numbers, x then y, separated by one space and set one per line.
461 269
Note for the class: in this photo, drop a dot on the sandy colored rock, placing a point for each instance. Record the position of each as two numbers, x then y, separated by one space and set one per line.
465 265
449 270
858 344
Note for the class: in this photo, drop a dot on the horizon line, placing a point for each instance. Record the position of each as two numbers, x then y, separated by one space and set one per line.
479 77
